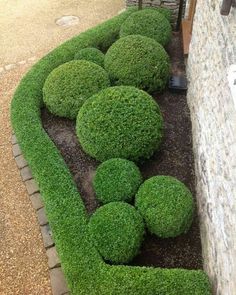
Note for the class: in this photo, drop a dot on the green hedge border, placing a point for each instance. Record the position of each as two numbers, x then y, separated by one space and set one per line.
85 271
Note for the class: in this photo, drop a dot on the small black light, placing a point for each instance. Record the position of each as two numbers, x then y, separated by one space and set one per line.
178 83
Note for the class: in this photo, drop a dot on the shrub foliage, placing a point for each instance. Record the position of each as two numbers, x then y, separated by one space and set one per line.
149 23
117 231
120 122
166 205
116 180
91 54
85 271
68 86
138 61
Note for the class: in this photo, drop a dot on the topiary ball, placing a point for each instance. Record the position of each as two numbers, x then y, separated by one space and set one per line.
91 54
138 61
117 230
69 85
116 180
166 205
147 22
120 122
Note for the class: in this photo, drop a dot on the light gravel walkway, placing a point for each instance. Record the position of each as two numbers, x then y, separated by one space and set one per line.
27 31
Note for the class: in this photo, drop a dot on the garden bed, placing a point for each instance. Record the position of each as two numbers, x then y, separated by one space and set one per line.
84 268
175 158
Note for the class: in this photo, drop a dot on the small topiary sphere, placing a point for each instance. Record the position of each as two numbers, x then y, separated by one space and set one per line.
69 85
117 230
91 54
138 61
116 180
150 23
120 122
166 205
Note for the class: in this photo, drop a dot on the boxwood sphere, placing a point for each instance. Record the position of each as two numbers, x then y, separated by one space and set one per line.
117 230
120 122
69 85
138 61
149 23
166 205
116 180
91 54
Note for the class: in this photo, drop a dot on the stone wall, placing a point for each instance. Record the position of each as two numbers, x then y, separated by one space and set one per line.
173 5
213 112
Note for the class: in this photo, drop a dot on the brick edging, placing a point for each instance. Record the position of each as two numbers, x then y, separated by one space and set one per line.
58 282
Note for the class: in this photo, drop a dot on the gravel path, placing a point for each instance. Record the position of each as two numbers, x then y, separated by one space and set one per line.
29 31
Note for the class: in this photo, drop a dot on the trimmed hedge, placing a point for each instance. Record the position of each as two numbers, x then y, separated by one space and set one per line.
138 61
149 23
117 230
120 122
116 180
166 205
85 271
69 85
91 54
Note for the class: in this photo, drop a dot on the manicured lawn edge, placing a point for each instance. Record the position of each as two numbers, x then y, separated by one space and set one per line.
85 271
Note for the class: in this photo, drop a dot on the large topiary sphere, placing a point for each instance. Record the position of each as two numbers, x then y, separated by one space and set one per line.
138 61
69 85
120 122
116 180
166 205
149 23
91 54
117 230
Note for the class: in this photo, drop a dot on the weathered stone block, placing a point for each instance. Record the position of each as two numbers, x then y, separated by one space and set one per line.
21 162
31 186
26 173
53 259
36 200
47 236
58 281
42 218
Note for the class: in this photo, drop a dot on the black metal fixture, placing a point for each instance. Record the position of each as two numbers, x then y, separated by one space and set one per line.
178 84
226 6
180 15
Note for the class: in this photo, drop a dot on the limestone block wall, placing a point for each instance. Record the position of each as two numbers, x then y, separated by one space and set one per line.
213 113
173 5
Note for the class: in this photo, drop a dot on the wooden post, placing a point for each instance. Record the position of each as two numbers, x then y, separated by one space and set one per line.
140 4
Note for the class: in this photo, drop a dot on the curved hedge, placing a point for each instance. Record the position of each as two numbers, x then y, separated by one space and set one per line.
91 54
138 61
149 23
120 122
117 230
68 86
116 180
85 271
166 205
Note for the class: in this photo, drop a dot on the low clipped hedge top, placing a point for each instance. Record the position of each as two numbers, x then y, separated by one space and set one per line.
116 180
120 122
68 86
85 271
91 54
138 61
149 23
166 205
117 231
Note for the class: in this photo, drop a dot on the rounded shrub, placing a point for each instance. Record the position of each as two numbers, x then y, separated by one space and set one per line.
138 61
69 85
116 180
91 54
166 205
120 122
147 22
117 230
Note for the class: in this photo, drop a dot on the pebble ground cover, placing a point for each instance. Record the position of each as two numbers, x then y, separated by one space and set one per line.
121 121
